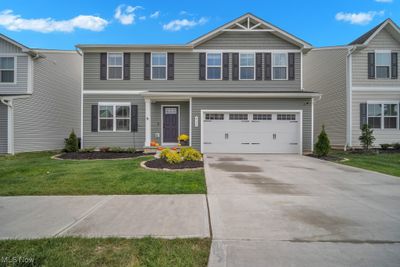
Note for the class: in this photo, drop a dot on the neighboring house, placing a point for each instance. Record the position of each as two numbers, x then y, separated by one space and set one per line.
39 97
238 88
360 85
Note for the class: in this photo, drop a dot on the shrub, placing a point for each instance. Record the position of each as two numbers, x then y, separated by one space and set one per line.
385 146
173 157
164 152
396 146
87 149
71 143
323 146
367 136
183 137
104 149
117 149
190 154
131 150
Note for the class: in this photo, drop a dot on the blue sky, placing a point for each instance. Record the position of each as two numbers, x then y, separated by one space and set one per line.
61 24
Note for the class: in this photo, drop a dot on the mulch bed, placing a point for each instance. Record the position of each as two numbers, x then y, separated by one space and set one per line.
162 164
100 155
328 158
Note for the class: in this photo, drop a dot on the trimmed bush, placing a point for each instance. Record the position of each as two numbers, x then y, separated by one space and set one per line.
71 143
385 146
173 157
87 149
164 152
190 154
131 150
117 149
104 149
367 137
396 146
323 145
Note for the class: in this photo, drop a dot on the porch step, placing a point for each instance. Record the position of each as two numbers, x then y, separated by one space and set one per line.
153 149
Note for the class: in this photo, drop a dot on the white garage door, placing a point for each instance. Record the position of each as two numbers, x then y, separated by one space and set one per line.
251 132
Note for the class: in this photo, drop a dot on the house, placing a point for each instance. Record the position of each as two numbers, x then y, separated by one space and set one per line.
360 85
236 89
39 97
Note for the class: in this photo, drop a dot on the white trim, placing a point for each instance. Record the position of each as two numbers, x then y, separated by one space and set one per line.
254 66
151 66
147 128
383 103
349 97
13 55
245 51
376 52
202 111
272 66
30 75
186 95
162 123
388 21
114 118
301 70
190 121
10 128
121 66
15 71
111 92
81 115
380 89
214 66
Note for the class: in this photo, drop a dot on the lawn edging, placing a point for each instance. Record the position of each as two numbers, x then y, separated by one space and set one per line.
143 165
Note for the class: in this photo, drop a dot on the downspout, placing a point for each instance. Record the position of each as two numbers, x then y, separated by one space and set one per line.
10 124
349 96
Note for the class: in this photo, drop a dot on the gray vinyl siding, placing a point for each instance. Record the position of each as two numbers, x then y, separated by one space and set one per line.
249 40
43 120
382 41
21 83
3 128
325 73
121 139
199 104
156 118
186 77
7 47
385 136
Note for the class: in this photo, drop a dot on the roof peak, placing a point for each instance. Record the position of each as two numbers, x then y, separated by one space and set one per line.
363 39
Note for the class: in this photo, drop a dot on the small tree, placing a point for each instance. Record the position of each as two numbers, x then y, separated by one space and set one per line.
71 143
323 145
367 136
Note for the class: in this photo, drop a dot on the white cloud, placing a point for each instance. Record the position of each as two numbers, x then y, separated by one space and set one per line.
361 18
125 14
384 1
155 15
179 24
142 17
14 22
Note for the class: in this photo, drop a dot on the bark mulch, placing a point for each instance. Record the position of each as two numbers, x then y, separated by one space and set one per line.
162 164
328 158
100 155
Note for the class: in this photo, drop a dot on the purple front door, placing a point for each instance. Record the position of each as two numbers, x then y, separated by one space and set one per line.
170 124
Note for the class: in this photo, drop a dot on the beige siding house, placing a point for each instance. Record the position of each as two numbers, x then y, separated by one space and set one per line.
359 84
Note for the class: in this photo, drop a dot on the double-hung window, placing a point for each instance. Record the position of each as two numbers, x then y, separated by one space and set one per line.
383 64
115 66
214 66
158 66
279 66
114 117
383 115
7 71
246 66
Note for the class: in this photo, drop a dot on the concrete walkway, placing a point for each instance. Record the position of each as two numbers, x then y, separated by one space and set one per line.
291 210
167 216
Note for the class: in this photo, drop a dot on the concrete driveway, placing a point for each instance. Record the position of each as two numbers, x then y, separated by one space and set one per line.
291 210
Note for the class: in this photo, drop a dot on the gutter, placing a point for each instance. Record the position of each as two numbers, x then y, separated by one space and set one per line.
349 94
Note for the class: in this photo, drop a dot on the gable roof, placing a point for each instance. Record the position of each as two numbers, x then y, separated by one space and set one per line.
250 23
368 36
24 48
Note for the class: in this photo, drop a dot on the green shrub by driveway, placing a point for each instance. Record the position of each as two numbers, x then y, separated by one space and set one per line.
37 174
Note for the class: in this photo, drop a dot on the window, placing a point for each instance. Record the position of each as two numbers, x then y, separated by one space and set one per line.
115 66
246 66
286 117
279 66
214 66
114 117
262 117
382 66
158 66
218 117
238 116
7 69
383 115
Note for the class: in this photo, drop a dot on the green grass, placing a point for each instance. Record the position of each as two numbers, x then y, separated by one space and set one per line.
72 251
37 174
383 162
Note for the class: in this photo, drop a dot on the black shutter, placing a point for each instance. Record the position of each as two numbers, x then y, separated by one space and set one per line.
147 66
171 66
291 66
267 69
134 118
225 66
363 114
394 66
258 66
235 66
95 110
202 66
127 66
371 65
103 66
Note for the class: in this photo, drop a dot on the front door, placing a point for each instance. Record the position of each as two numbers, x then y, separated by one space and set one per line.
170 124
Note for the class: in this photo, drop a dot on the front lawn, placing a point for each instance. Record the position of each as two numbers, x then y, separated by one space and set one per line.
37 174
388 163
73 251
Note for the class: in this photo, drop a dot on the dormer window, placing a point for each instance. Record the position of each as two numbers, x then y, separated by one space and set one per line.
7 71
246 66
158 66
214 66
115 66
383 64
279 66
